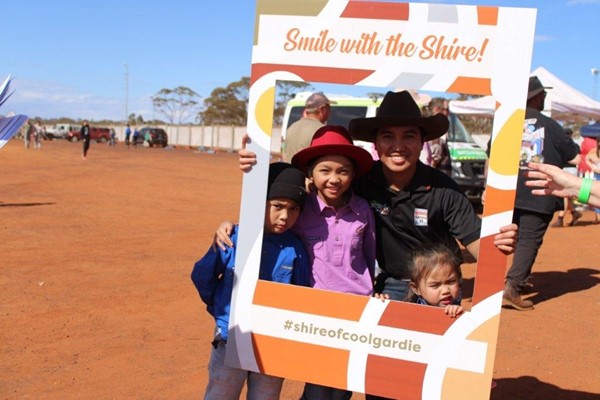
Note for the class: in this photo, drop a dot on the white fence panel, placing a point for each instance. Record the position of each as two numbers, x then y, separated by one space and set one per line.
225 138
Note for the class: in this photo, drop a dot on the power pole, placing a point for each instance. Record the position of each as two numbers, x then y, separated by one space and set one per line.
126 93
595 72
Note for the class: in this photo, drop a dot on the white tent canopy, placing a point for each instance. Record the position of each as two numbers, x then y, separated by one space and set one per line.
562 98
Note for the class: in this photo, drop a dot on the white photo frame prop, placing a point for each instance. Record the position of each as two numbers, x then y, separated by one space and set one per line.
391 349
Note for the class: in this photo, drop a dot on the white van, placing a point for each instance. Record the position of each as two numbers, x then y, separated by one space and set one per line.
344 109
467 158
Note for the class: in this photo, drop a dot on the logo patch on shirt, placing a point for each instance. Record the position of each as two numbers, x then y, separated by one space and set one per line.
379 208
420 217
314 238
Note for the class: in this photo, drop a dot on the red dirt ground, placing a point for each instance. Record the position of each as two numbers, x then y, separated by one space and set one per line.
97 302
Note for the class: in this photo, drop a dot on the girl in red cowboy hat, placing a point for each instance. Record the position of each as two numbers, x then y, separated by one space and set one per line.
336 226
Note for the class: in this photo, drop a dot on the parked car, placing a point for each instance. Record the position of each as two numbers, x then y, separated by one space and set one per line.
98 134
60 131
154 137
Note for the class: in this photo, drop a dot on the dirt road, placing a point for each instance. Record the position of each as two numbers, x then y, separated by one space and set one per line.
97 302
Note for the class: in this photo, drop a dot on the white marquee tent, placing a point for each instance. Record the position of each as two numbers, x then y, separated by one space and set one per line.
562 98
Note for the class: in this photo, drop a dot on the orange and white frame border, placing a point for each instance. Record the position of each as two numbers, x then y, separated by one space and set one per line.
392 349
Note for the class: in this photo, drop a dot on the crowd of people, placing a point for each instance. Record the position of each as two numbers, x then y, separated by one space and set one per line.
34 132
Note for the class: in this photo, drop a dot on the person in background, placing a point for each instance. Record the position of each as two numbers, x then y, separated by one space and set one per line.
435 152
299 134
136 135
583 168
546 179
593 160
38 134
29 133
85 136
533 214
568 202
284 260
127 135
113 137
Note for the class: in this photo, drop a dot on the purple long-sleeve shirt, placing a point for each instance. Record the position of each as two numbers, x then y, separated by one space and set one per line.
340 244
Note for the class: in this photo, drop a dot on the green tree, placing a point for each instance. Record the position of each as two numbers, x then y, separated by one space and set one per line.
475 123
177 105
286 90
229 105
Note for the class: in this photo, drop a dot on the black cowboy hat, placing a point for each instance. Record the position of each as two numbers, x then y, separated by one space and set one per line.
535 87
398 109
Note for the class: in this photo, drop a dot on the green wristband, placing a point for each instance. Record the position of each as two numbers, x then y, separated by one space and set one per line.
585 190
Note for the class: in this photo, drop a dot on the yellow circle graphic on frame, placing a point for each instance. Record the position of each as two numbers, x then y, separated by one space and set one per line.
507 145
264 110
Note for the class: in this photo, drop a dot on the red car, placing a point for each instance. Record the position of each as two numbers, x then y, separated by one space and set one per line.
98 134
154 137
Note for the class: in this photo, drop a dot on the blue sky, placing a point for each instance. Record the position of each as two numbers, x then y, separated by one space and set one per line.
68 58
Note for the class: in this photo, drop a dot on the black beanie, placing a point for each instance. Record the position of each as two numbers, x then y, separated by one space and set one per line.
286 181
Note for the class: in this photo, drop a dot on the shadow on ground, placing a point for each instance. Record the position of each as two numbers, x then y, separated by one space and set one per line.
531 388
24 204
551 284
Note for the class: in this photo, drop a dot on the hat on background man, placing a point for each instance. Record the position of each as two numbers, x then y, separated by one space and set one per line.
399 109
316 101
334 140
535 87
286 181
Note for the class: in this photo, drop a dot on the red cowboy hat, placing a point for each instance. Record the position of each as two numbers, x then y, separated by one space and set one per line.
334 140
398 109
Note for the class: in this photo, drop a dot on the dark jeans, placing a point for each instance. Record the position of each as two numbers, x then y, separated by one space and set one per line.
532 227
86 146
373 397
318 392
397 289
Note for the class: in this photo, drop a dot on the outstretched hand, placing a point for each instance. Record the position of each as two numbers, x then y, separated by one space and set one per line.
551 180
246 158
